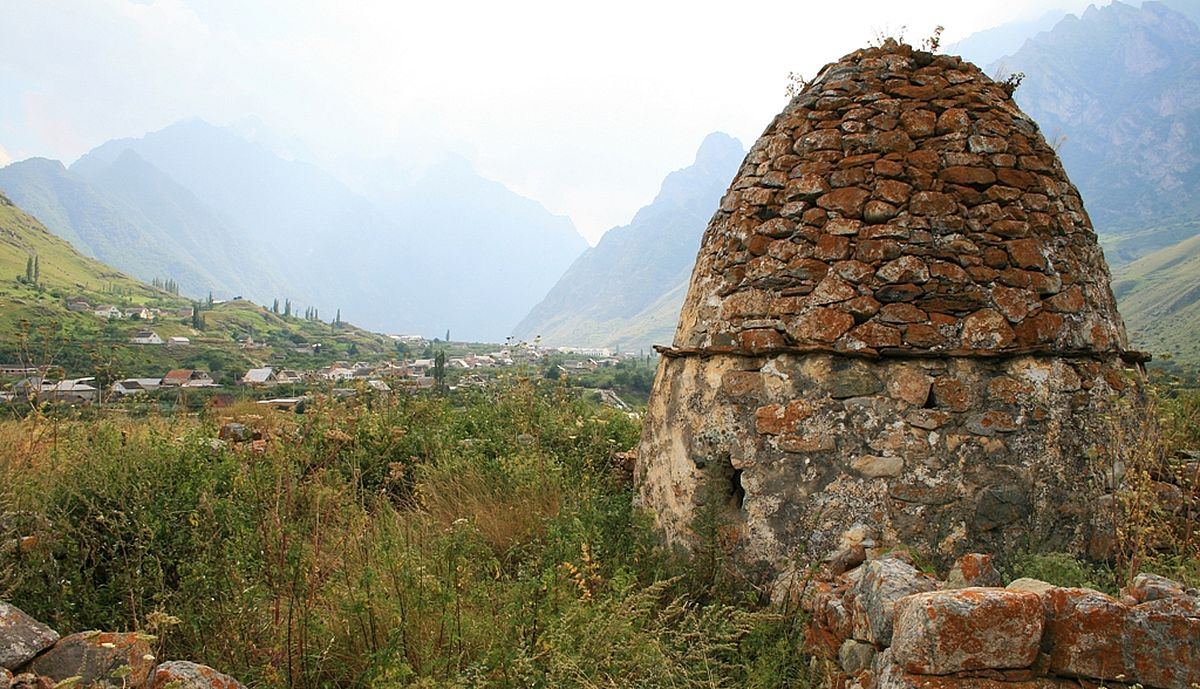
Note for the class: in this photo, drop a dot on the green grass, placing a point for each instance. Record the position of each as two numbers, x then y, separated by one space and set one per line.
480 539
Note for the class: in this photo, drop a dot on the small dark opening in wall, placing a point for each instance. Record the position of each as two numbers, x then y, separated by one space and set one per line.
737 493
931 400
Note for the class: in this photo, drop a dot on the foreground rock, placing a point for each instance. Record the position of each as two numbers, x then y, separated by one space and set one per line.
944 632
106 659
181 674
21 637
119 660
873 600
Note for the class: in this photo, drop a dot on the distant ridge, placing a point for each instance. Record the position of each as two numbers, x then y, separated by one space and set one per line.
202 205
627 290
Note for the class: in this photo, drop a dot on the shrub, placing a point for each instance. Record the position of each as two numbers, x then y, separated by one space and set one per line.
476 539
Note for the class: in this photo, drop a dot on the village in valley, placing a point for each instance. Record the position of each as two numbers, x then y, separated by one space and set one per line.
279 379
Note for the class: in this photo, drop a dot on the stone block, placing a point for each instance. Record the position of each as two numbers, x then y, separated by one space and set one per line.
101 659
873 599
1029 584
855 656
181 674
972 569
1083 633
1161 644
943 632
1147 587
21 637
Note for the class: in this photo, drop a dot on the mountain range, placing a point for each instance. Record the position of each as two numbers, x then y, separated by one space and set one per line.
1116 89
203 206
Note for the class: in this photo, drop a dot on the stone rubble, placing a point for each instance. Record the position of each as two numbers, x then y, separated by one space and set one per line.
117 660
1028 635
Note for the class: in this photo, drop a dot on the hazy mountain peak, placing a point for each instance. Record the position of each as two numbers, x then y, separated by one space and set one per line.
1114 89
987 46
718 147
39 163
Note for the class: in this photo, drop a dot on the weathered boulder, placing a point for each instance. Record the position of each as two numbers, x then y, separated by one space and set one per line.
1161 643
1028 584
855 656
1147 587
105 659
873 599
28 680
887 674
21 637
181 674
234 432
1084 631
943 632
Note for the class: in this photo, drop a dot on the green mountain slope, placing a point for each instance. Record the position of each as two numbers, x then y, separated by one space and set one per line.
1123 247
100 225
1159 297
37 328
185 223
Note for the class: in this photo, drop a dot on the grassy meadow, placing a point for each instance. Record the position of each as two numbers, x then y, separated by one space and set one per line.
484 539
481 539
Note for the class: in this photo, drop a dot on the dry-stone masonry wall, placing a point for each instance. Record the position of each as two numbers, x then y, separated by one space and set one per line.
899 329
885 625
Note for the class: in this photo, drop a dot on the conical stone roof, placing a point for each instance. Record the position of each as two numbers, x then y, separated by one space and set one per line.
899 330
901 203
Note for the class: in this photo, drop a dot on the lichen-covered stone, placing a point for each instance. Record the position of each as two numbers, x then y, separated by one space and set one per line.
943 632
121 660
28 680
873 599
1146 587
1029 584
21 637
855 656
972 569
1161 644
889 675
1084 631
181 674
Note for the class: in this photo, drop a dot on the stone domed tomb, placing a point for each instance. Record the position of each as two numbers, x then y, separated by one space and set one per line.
899 330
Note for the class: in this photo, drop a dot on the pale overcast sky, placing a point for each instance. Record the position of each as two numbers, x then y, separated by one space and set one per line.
582 107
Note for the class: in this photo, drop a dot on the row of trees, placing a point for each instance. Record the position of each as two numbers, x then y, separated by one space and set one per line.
33 270
166 285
